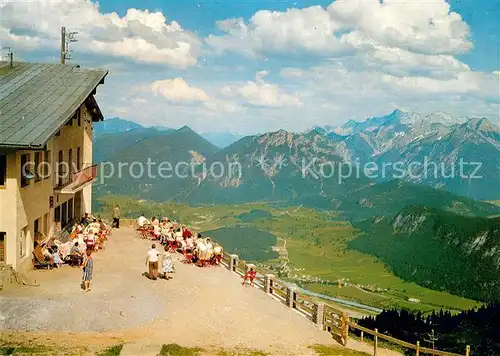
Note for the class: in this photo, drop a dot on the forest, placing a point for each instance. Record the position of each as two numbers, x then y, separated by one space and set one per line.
478 328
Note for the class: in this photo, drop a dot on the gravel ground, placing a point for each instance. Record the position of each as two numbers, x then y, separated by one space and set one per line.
199 307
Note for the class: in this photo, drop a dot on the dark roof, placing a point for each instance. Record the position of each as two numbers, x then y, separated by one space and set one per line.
36 99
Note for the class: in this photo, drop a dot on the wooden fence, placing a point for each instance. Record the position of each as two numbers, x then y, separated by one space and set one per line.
330 319
418 349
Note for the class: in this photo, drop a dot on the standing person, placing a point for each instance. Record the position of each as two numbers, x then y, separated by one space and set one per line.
152 262
88 269
250 275
116 217
167 265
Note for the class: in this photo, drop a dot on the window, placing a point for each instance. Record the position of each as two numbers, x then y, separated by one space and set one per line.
2 247
71 216
47 169
64 214
46 226
3 169
38 157
22 242
60 168
24 170
78 159
70 161
36 226
57 214
58 133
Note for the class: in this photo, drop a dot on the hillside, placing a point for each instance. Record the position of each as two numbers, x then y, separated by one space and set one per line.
110 144
387 199
170 155
438 249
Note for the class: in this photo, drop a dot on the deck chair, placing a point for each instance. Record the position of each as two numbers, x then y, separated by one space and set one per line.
37 264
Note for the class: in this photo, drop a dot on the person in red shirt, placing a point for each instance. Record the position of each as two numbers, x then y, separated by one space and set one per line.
186 233
250 275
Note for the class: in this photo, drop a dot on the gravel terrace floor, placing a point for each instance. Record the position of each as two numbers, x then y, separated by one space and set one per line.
199 307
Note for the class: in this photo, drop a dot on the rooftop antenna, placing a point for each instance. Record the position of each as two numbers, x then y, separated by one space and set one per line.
10 55
66 39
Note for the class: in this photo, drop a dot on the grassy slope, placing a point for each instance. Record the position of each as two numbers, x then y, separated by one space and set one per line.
310 234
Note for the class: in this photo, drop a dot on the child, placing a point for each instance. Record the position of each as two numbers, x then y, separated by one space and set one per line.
88 269
57 258
167 265
249 275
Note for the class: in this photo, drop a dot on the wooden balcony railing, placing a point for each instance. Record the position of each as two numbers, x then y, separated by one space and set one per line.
71 183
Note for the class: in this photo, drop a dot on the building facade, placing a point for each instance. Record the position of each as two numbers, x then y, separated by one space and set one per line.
46 170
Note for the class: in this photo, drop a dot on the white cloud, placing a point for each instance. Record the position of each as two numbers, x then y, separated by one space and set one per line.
139 35
178 90
429 28
400 37
295 30
270 95
260 93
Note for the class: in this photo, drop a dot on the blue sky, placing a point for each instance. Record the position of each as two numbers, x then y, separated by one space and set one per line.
201 16
254 66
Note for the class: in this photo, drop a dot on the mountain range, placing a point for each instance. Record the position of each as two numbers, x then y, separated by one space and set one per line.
461 157
116 125
312 167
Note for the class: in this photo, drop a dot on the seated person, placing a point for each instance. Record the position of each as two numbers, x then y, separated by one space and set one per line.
76 254
156 231
185 232
90 240
154 221
103 230
47 253
142 221
178 234
42 254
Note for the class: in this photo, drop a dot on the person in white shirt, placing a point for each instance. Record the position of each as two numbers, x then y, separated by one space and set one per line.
152 262
142 221
156 231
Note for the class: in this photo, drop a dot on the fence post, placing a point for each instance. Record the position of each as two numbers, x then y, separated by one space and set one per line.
233 262
345 327
268 283
375 343
290 297
318 311
467 350
362 335
418 348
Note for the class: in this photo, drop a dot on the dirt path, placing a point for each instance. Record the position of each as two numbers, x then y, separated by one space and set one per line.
199 307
